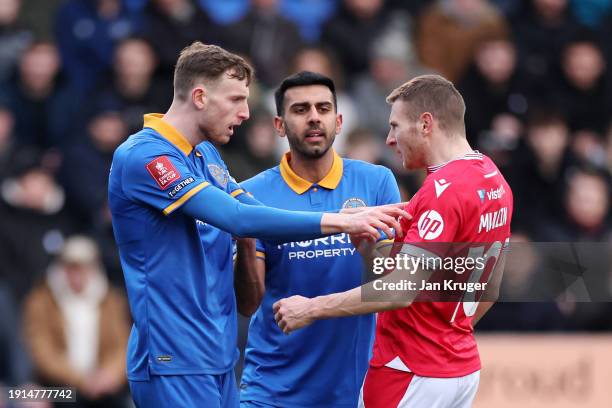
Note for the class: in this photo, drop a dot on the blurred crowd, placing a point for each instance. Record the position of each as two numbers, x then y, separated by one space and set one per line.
76 76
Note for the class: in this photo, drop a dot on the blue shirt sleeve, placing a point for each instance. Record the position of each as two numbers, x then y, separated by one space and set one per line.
222 211
389 193
160 178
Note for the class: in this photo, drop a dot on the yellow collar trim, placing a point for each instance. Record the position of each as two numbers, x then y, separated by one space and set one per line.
155 121
300 186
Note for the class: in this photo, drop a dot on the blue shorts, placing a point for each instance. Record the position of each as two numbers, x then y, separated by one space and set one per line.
207 390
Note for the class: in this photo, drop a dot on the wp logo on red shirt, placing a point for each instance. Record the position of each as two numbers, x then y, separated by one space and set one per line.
163 171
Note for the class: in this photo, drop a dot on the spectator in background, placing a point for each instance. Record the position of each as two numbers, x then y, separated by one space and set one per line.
591 12
134 84
259 148
77 327
541 31
390 65
14 361
412 7
492 87
225 12
87 32
351 32
583 93
33 221
90 159
13 38
609 147
589 147
537 171
102 232
44 109
605 33
37 17
502 139
8 146
449 31
309 15
268 38
171 25
362 144
587 220
587 205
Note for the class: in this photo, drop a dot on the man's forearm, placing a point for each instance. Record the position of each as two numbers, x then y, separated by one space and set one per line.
249 278
349 303
297 311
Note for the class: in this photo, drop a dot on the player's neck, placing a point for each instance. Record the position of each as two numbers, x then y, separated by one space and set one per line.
183 124
452 148
312 170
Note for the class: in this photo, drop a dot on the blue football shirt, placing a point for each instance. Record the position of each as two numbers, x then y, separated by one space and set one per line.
322 365
178 270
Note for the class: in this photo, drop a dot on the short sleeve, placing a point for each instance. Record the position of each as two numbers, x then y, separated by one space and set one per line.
233 188
260 249
160 178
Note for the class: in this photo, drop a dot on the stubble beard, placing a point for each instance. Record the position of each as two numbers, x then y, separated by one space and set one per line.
307 152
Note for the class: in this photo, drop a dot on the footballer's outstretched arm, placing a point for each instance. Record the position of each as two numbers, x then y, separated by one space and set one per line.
218 208
250 270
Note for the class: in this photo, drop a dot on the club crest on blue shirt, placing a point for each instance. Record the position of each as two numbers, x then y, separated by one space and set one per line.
219 174
354 202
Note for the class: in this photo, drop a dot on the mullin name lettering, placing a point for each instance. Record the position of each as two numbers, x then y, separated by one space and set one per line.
494 219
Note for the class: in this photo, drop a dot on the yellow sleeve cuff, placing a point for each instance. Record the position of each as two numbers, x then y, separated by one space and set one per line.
169 209
236 193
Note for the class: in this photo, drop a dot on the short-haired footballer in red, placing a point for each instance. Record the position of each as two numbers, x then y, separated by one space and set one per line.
425 353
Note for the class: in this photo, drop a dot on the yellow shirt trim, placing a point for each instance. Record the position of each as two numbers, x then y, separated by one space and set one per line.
236 193
260 254
155 121
300 186
185 197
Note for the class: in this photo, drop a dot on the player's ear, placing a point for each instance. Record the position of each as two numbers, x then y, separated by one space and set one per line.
279 125
198 97
338 123
426 123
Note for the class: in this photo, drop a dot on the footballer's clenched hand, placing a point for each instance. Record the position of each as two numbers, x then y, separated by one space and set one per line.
293 313
384 218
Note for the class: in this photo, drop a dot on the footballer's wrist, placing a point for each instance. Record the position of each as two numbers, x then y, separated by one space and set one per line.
333 223
316 309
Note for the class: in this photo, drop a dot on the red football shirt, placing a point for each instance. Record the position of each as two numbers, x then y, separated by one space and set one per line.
466 201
